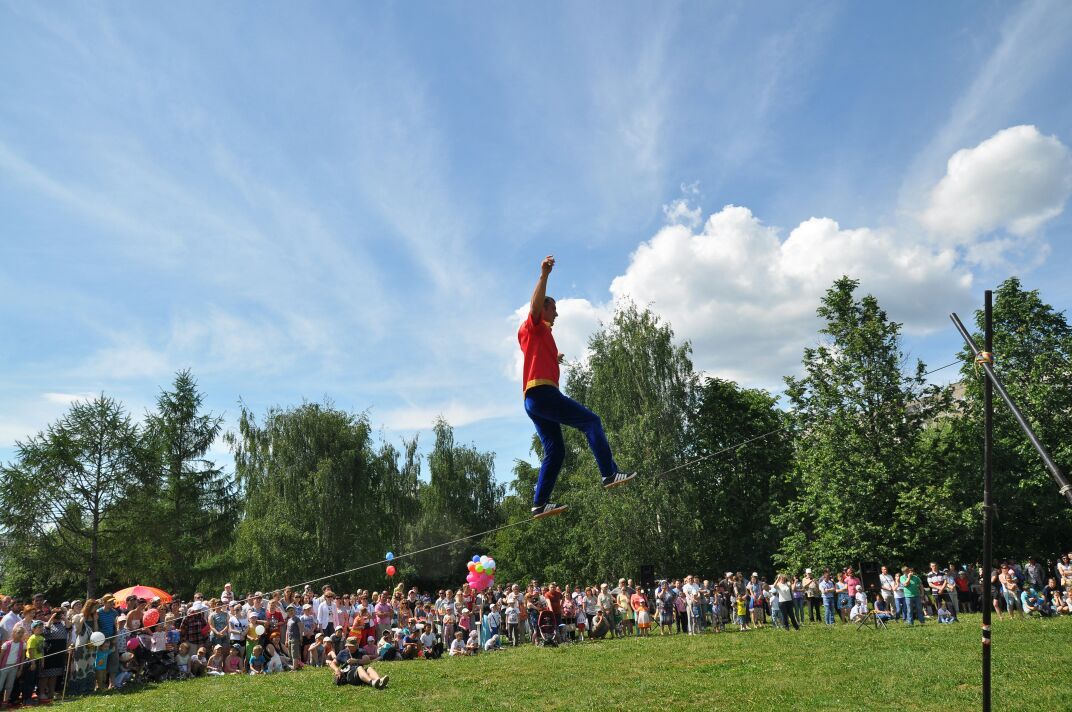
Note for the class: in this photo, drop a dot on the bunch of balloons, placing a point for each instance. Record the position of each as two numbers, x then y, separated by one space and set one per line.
390 569
481 573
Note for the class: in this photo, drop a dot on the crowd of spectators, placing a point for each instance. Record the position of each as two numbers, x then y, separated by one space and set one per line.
82 646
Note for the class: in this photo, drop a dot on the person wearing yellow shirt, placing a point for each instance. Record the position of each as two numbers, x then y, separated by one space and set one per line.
35 650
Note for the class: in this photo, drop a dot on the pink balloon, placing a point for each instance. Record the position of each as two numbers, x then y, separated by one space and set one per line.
151 617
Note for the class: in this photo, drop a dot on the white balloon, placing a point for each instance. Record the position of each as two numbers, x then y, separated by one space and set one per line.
259 630
484 560
97 638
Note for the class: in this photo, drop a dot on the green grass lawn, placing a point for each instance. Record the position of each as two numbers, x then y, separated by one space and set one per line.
933 667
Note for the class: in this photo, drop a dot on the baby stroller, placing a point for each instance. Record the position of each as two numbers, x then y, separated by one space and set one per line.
546 630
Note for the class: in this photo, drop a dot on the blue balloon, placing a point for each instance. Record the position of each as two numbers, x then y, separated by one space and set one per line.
390 556
476 559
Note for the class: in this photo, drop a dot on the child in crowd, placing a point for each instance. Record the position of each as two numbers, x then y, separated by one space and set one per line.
776 612
742 611
582 625
182 660
472 647
448 627
944 614
370 646
664 609
214 665
316 651
11 654
492 643
35 650
157 639
198 662
457 646
256 661
429 644
100 665
513 619
172 632
252 639
465 622
716 613
643 620
232 665
128 668
493 620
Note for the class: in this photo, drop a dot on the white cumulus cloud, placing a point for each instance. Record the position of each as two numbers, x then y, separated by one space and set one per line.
746 299
1016 180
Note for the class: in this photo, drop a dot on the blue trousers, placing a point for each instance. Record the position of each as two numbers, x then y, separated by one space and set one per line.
549 410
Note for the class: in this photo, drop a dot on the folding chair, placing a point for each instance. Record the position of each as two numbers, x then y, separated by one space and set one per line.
869 619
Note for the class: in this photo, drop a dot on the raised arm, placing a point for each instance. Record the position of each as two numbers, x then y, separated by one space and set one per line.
540 293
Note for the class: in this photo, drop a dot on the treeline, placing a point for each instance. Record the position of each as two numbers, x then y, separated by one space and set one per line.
862 461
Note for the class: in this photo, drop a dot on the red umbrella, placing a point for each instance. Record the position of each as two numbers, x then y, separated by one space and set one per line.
146 592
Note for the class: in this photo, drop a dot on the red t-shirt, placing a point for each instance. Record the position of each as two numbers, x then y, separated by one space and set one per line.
541 353
555 599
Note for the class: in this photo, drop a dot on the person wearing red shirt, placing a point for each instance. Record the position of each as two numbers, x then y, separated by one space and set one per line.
549 408
554 600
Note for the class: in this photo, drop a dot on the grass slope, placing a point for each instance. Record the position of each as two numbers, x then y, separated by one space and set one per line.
934 667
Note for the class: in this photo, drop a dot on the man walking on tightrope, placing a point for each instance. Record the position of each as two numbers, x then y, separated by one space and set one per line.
549 408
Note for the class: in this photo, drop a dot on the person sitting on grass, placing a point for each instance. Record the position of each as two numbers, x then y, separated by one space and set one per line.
457 646
256 661
858 611
351 667
386 650
411 644
492 643
601 626
316 651
128 670
232 664
430 647
1031 603
944 614
182 660
472 647
214 665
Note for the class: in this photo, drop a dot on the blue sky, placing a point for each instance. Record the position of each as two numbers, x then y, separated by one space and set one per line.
352 199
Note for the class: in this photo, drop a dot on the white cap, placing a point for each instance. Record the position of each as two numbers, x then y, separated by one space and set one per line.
807 571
